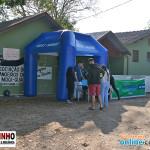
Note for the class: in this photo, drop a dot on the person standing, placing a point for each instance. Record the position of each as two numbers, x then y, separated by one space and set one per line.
105 81
70 83
112 83
93 78
84 87
78 81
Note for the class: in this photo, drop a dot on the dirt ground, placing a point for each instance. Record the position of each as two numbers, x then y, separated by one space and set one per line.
45 123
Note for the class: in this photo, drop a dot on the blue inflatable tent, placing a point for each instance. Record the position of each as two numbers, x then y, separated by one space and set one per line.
69 45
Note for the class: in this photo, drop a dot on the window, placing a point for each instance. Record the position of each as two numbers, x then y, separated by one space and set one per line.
149 41
135 57
148 56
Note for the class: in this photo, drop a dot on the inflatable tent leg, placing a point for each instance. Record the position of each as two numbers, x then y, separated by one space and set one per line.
67 58
30 74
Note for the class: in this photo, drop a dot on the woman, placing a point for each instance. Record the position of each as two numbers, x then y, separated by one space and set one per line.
105 81
70 83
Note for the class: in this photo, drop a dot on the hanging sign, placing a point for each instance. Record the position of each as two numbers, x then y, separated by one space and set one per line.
13 75
11 54
44 73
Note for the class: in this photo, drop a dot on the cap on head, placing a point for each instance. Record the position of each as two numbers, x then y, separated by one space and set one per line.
104 67
91 60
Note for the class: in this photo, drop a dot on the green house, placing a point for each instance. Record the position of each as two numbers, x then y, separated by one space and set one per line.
138 43
15 35
129 52
117 52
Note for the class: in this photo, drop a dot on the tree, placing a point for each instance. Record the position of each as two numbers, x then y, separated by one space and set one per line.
148 25
65 12
3 11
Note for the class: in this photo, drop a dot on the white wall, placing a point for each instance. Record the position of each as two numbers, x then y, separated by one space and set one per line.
147 83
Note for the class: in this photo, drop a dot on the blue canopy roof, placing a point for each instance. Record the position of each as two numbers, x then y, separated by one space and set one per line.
85 45
69 45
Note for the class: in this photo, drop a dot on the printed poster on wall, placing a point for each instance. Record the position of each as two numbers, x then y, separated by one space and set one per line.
13 75
44 73
11 54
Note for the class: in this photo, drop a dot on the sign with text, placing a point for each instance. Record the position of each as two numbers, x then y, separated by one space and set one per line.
13 75
7 138
129 88
11 54
44 73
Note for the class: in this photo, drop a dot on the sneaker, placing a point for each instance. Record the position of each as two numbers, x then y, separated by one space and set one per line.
69 102
75 99
90 108
101 108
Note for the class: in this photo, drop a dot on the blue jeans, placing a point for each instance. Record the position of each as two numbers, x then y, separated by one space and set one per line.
79 89
104 93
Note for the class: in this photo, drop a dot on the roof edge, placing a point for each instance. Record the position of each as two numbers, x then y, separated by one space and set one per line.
110 32
135 40
27 20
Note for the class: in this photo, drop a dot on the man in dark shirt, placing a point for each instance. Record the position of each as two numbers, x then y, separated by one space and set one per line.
78 77
93 77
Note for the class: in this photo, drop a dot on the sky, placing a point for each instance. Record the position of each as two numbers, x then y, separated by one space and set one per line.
132 16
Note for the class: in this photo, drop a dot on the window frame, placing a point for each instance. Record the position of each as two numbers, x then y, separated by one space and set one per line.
135 56
148 56
149 42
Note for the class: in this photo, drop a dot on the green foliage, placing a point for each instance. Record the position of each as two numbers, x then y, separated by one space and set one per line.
13 3
148 24
65 12
65 23
1 1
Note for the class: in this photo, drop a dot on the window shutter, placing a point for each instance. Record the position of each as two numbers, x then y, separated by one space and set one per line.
149 41
135 57
148 56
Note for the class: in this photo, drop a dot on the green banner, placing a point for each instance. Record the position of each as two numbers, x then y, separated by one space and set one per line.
129 88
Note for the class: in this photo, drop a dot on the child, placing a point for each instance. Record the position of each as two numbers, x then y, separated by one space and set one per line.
70 83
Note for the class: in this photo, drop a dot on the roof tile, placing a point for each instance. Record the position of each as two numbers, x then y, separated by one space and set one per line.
131 37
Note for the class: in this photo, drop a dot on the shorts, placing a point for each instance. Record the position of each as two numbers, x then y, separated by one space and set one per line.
94 89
